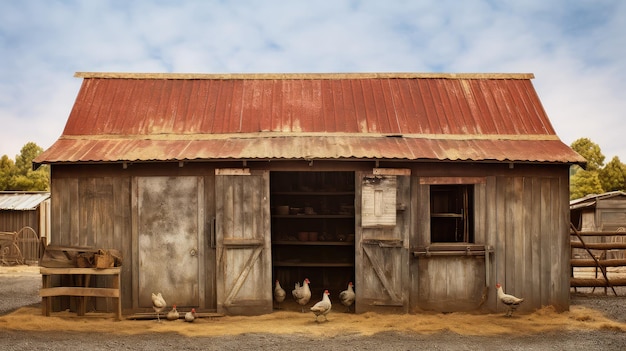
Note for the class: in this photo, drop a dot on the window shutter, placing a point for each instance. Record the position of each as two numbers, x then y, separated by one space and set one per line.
378 201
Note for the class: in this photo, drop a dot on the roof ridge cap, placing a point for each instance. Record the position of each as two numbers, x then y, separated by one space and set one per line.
275 76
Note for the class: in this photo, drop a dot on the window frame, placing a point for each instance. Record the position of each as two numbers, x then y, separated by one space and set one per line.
469 183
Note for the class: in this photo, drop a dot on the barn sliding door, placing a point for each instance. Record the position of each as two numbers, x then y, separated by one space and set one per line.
382 240
243 242
169 244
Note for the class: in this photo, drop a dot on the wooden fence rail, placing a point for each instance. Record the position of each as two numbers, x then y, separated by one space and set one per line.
609 252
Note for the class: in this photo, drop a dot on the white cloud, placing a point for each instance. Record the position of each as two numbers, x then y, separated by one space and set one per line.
575 49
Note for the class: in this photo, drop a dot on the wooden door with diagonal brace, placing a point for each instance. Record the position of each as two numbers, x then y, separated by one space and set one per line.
243 242
382 273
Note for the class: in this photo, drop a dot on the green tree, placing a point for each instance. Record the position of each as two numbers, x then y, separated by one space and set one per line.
591 152
613 175
584 183
19 175
7 172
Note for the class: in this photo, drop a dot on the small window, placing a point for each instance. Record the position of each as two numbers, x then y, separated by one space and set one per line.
378 202
452 213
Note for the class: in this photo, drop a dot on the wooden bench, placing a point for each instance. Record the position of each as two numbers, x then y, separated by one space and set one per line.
47 291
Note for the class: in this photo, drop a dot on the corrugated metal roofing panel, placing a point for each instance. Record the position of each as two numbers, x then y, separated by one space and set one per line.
591 199
22 201
181 117
310 147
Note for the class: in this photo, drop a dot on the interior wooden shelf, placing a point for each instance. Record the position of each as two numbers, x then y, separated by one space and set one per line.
447 215
313 243
311 264
313 193
303 216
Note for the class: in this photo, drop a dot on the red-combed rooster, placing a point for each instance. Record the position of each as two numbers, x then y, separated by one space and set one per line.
302 294
347 296
173 314
323 307
191 315
511 301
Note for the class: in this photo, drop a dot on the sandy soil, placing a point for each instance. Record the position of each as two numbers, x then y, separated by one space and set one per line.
595 321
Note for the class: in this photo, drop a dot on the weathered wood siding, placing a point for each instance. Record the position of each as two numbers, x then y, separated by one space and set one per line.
524 216
13 221
94 211
451 283
522 212
243 240
532 240
169 239
382 257
92 206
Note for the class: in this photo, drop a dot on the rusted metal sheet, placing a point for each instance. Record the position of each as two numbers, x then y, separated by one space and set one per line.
327 147
410 117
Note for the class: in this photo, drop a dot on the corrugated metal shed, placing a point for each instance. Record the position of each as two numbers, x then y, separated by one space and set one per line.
592 199
170 117
22 201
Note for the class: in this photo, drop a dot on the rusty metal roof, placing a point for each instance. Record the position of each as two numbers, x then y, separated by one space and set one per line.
175 117
22 201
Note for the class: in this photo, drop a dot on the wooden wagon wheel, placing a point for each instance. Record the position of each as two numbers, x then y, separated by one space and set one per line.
19 259
5 252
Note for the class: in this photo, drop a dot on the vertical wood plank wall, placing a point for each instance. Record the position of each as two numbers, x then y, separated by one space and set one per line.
523 213
525 219
89 209
530 235
94 211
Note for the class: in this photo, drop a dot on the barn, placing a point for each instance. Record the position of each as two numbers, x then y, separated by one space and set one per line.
425 190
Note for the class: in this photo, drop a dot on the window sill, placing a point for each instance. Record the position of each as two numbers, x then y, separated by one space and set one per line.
455 249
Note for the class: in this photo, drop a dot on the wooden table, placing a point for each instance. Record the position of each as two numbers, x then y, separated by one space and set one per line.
47 292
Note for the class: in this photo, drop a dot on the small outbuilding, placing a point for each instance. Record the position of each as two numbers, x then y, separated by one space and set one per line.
604 212
425 190
24 225
599 212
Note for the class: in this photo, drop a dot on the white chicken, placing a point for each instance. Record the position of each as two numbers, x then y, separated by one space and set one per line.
511 301
173 314
302 294
190 316
347 296
323 307
279 293
158 303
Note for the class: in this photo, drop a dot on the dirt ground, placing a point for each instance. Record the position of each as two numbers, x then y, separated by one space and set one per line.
595 321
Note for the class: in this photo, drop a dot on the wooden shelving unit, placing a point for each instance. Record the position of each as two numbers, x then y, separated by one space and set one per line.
321 203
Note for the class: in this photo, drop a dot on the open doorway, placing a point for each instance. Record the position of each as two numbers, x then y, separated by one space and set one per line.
313 226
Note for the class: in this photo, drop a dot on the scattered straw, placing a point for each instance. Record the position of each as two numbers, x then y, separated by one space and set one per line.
284 322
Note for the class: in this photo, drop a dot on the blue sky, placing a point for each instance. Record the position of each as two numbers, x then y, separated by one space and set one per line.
576 50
